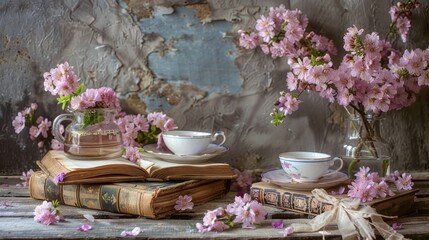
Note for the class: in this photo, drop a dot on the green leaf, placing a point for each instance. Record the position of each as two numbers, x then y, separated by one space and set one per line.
153 128
140 137
55 203
79 89
277 118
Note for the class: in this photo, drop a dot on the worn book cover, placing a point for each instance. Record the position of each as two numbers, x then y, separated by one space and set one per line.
303 201
148 199
120 170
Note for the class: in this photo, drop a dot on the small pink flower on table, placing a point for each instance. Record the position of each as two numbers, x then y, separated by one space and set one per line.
47 213
184 203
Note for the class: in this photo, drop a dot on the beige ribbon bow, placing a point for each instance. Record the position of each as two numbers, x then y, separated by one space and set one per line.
349 216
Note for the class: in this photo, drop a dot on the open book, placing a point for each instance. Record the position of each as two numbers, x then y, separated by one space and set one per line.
75 171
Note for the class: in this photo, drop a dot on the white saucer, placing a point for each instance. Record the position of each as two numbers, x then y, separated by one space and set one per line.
281 178
211 151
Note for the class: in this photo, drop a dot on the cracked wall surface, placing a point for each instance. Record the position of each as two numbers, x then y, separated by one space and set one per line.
182 57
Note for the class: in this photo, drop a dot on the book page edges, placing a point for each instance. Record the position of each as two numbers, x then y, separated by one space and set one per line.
180 172
55 162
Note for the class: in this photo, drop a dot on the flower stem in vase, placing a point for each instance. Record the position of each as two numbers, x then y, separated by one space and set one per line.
363 143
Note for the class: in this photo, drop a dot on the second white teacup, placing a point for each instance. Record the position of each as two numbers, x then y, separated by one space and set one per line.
182 142
308 166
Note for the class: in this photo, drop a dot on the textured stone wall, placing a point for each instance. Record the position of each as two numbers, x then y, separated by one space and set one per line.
182 57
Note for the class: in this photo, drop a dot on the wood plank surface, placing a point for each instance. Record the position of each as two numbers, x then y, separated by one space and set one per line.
16 221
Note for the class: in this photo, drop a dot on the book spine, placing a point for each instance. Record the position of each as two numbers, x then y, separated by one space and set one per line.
398 205
149 201
110 198
290 201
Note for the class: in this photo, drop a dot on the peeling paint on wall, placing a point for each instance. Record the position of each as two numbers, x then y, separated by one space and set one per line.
181 57
194 53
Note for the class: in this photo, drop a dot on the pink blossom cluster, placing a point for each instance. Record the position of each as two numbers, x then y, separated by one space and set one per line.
138 130
376 77
64 82
103 97
401 17
243 181
47 213
369 185
282 34
39 128
61 80
243 210
372 77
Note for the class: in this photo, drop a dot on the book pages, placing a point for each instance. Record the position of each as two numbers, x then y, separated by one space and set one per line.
73 164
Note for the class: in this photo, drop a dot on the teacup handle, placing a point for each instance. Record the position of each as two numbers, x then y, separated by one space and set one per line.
332 164
219 133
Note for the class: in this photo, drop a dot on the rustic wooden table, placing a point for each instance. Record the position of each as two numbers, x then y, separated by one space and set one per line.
16 220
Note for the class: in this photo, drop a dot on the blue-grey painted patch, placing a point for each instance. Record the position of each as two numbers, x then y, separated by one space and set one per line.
201 55
153 102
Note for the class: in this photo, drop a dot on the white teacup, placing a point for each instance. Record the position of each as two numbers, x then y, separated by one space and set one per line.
182 142
308 166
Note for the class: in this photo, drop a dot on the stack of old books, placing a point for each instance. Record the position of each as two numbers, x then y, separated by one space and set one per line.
148 189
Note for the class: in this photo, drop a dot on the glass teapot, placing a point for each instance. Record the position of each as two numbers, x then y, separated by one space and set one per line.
92 134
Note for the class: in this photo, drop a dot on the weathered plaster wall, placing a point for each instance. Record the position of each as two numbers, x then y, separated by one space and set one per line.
182 57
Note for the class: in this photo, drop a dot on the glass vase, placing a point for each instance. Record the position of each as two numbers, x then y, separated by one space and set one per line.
92 134
363 146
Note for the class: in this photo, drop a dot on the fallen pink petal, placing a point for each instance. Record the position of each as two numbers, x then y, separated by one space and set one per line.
136 231
84 228
339 192
397 226
6 204
278 223
287 231
60 177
